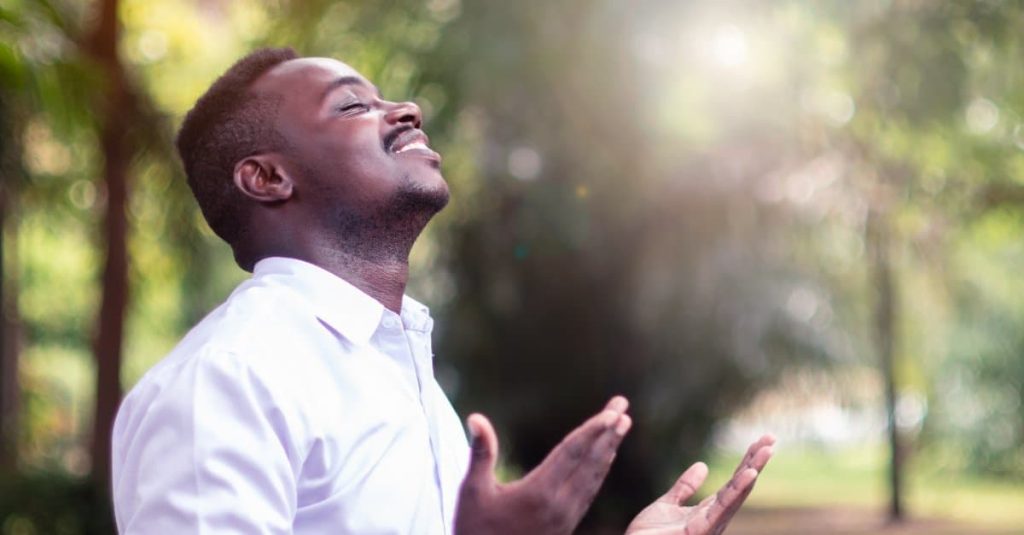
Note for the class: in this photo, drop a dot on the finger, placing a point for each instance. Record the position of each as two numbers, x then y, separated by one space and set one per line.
729 499
755 461
760 458
720 507
574 448
687 484
618 404
760 461
765 440
607 444
579 489
483 452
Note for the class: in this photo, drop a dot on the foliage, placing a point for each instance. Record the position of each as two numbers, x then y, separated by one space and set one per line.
49 503
662 199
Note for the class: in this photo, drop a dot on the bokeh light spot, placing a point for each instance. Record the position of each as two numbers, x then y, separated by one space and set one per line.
729 46
524 163
982 116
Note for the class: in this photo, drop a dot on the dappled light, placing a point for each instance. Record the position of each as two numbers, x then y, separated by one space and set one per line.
796 217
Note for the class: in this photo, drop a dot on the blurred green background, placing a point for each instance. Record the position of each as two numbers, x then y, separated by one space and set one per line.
796 216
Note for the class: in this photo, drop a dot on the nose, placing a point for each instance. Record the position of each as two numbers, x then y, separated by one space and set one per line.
405 112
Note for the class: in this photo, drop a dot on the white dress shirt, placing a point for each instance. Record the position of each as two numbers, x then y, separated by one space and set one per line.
299 406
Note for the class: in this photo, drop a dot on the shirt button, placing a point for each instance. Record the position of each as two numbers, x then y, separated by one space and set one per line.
390 322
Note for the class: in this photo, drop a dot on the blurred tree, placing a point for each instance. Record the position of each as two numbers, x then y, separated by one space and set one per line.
591 264
9 170
26 84
922 96
118 108
671 200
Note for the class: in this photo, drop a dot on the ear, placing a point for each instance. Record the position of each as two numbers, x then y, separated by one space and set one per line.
261 178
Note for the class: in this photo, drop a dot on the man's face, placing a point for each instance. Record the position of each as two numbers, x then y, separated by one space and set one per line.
351 153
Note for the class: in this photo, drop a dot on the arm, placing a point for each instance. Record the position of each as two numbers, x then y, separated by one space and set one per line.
550 500
204 451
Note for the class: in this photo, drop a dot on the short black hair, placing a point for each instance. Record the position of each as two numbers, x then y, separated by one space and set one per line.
228 123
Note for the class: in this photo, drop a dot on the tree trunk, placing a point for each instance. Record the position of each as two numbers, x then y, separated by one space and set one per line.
9 387
114 145
878 240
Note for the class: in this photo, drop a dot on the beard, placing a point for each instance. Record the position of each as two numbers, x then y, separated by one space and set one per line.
389 230
413 197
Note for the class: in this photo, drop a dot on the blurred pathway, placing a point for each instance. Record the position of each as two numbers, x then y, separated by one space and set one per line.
846 521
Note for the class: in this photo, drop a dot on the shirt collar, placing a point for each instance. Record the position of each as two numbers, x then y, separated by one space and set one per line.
416 315
345 308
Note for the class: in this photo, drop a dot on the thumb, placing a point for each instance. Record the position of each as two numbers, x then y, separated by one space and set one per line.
483 453
687 484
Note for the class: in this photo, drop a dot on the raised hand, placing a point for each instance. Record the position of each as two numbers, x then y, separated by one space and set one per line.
669 516
552 498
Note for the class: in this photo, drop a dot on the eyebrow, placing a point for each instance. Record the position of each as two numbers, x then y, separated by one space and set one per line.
346 80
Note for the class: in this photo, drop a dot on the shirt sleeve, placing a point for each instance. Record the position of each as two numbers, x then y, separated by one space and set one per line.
204 449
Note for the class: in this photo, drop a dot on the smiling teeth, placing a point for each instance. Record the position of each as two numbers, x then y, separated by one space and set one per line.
413 145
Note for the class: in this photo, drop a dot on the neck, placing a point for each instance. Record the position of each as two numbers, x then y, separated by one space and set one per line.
369 252
377 266
381 277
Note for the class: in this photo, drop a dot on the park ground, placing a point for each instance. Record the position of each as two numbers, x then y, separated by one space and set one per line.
808 491
826 520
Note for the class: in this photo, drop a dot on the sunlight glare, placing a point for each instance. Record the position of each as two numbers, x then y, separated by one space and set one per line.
729 46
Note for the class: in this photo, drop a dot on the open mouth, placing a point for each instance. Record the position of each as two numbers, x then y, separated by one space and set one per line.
413 146
413 141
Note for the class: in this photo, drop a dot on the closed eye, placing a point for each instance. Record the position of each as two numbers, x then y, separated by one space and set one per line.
352 107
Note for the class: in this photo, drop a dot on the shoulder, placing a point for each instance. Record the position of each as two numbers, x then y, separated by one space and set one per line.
214 399
265 327
261 339
200 428
256 316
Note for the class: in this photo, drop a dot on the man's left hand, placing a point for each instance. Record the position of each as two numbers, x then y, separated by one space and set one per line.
669 516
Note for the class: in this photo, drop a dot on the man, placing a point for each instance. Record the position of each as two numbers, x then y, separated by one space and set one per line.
306 403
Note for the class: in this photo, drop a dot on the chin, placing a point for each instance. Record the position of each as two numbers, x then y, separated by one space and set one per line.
437 197
425 192
429 184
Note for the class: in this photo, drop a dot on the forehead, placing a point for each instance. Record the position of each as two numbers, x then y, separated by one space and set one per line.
306 75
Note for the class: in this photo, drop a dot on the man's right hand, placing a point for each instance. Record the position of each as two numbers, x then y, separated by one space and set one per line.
550 500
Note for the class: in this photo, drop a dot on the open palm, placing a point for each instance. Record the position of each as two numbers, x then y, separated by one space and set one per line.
669 516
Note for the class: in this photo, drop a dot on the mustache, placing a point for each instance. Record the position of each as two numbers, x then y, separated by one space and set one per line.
390 138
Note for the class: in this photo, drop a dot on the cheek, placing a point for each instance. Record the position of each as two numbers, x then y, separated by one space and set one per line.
352 166
353 152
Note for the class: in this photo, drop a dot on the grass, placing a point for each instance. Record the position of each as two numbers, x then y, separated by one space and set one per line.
856 480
